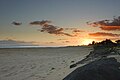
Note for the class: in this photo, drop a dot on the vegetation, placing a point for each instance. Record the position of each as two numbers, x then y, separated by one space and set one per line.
101 51
105 44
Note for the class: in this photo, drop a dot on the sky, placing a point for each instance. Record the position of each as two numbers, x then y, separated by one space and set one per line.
59 22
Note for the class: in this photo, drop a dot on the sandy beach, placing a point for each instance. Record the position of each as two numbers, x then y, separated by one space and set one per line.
39 63
59 39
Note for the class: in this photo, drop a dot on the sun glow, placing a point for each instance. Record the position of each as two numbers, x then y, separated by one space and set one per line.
87 41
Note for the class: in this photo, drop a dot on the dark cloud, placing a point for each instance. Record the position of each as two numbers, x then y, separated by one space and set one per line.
66 41
104 34
46 26
51 29
109 25
51 42
42 23
61 39
16 23
70 28
77 30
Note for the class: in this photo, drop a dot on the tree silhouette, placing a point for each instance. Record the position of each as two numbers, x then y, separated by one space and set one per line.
93 42
117 41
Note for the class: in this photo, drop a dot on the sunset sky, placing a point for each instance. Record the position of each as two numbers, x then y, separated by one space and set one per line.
58 22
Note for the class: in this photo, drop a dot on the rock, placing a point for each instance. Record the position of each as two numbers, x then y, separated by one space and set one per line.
96 55
52 68
74 65
102 69
72 61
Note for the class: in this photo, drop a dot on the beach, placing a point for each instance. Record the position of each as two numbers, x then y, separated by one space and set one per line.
39 63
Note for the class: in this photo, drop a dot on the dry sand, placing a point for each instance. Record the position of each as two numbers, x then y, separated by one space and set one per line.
39 63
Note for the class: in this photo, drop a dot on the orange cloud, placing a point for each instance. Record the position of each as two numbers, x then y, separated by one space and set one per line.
104 34
109 25
112 38
110 28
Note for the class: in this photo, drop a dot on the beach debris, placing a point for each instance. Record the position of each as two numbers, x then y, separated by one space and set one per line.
72 61
72 66
52 68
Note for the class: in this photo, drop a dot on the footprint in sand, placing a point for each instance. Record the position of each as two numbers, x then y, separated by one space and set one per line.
6 69
11 74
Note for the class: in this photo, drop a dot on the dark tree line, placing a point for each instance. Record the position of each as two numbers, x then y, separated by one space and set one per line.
106 43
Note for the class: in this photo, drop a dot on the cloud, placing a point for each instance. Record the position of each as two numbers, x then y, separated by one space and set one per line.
110 28
42 23
70 28
104 34
16 23
10 42
66 41
47 27
51 29
111 38
51 42
61 39
77 30
108 25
